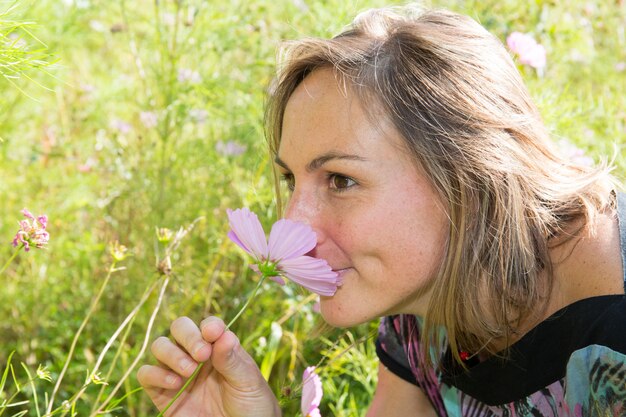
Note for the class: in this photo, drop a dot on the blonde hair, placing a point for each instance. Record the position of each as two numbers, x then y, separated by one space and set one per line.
455 95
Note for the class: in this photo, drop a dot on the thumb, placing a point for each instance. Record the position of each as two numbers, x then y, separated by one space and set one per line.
235 364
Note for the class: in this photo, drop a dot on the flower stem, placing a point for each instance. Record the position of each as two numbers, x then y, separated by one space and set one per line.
232 321
92 308
144 345
10 260
201 364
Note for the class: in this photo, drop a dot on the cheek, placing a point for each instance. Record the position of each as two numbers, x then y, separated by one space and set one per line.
409 244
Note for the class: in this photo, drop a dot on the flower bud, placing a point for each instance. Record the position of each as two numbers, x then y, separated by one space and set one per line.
118 251
164 235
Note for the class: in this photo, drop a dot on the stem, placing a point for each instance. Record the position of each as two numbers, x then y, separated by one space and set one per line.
128 326
94 303
6 403
109 343
10 259
247 302
31 382
166 281
201 364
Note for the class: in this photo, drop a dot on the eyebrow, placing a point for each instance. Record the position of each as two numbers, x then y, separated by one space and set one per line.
321 160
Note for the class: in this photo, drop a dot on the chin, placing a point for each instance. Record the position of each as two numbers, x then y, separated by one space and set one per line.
338 316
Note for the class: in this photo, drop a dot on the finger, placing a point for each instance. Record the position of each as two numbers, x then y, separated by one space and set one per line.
212 328
172 356
188 335
155 377
160 385
234 363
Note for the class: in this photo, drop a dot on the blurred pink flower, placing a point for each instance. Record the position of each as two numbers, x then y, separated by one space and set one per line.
186 75
121 126
284 254
574 153
311 393
527 49
87 166
149 119
32 231
229 148
84 168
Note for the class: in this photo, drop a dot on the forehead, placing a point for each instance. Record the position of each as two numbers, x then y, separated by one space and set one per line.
326 110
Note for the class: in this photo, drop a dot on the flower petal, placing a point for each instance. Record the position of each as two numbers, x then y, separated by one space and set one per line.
290 239
233 237
43 221
311 392
529 51
314 413
28 214
279 280
247 232
313 274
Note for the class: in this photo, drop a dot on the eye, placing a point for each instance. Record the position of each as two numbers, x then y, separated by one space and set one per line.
338 182
289 180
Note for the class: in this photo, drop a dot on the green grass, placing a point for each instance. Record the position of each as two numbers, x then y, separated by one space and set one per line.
75 148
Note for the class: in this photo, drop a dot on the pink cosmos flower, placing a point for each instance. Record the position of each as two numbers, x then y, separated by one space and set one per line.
32 231
529 51
284 254
149 119
311 393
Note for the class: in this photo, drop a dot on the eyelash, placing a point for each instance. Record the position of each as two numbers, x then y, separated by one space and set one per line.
333 175
289 180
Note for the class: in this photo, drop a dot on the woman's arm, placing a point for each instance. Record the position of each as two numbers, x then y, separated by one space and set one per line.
396 397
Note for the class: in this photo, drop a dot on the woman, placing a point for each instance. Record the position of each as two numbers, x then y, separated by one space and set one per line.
412 148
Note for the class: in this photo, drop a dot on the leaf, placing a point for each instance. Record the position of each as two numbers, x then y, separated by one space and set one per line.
272 349
5 374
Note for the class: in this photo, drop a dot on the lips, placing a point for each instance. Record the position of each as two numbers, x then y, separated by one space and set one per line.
340 273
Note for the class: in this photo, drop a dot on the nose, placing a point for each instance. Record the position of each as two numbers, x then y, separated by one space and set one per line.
306 208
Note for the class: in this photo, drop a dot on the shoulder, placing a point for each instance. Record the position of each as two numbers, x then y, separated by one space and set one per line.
390 348
595 380
606 320
582 343
594 321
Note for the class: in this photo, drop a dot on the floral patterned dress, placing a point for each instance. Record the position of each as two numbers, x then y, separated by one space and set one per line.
571 364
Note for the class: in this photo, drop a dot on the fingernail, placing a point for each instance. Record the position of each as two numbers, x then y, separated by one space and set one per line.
171 379
185 363
208 320
199 346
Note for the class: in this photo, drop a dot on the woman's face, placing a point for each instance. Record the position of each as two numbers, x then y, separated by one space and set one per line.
378 221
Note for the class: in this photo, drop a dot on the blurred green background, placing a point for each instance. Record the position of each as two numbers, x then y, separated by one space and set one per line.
149 115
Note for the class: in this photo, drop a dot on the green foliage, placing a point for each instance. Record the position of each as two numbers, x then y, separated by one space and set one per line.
133 133
21 51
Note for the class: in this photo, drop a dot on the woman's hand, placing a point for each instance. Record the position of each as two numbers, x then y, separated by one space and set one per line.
229 385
